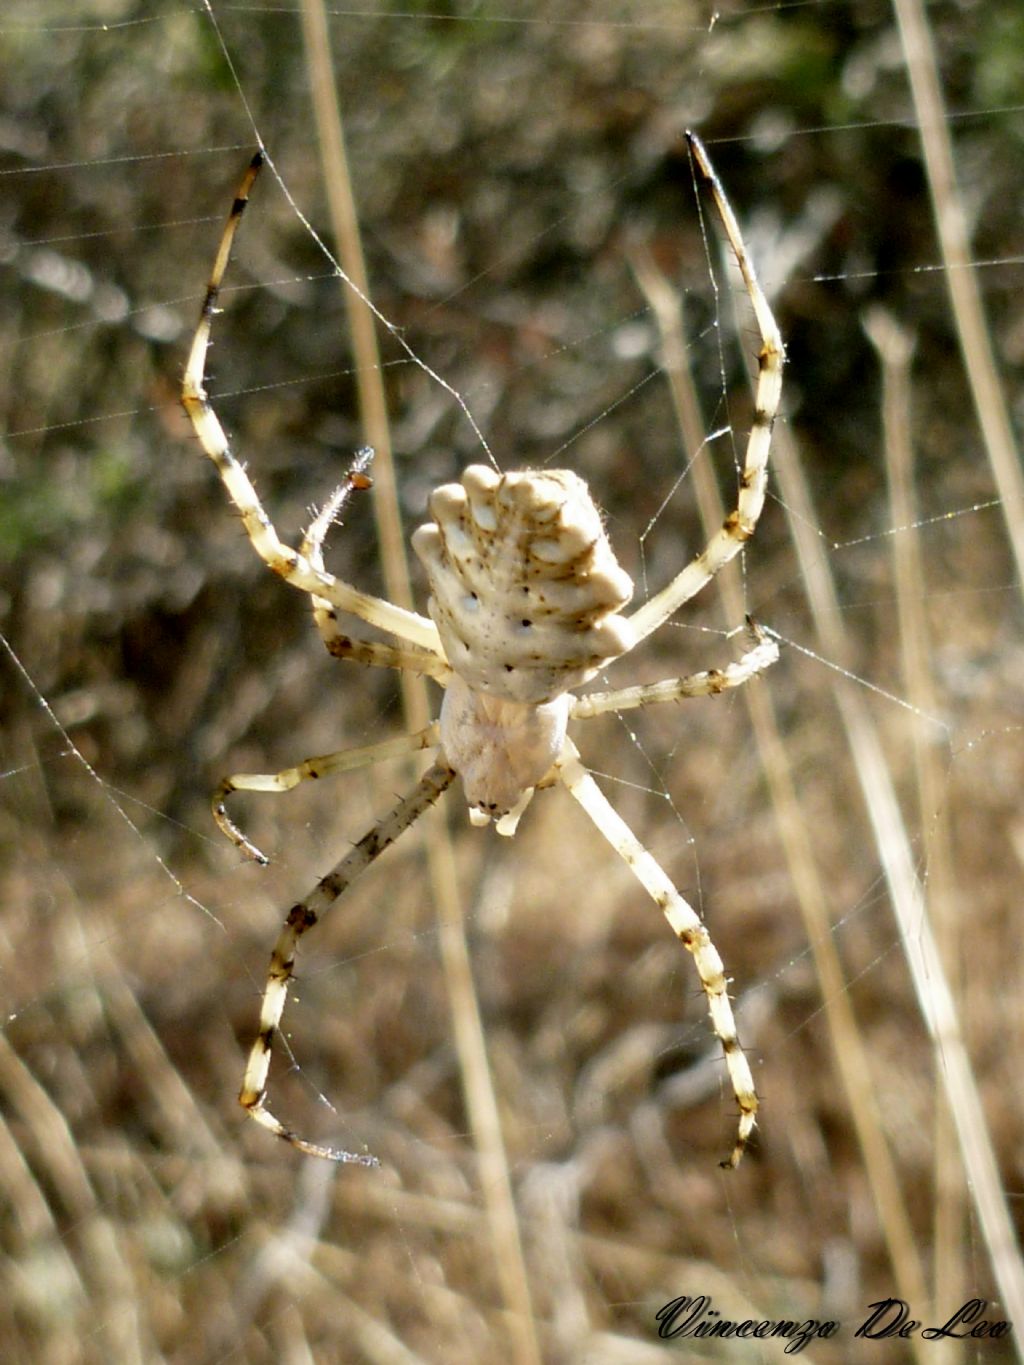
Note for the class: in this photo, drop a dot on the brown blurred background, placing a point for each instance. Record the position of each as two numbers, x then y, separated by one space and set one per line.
513 168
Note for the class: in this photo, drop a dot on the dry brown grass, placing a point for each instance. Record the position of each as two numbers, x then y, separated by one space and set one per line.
545 1206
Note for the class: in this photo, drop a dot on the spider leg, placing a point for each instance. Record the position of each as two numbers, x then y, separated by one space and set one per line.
685 923
303 916
325 765
739 524
294 568
705 684
373 653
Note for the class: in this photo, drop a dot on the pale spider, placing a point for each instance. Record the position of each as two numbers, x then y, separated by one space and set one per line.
526 603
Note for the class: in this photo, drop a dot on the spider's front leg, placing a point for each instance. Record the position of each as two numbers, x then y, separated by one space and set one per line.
372 653
739 525
358 651
293 567
302 917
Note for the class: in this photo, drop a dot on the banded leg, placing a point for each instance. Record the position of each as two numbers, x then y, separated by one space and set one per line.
302 917
373 653
739 524
376 654
706 684
325 765
294 568
687 926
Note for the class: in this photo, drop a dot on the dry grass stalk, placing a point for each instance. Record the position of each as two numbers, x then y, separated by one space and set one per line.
481 1100
809 889
961 277
895 349
935 1000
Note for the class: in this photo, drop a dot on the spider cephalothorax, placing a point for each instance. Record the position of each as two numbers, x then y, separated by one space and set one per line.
526 604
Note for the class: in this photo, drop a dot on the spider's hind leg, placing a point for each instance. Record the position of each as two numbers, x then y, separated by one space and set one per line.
688 928
302 917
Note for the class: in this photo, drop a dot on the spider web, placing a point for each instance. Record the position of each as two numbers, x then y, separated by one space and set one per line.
516 174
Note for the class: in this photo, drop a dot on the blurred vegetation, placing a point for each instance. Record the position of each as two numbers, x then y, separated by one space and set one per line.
507 166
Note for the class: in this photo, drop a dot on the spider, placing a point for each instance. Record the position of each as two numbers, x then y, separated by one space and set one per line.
526 604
